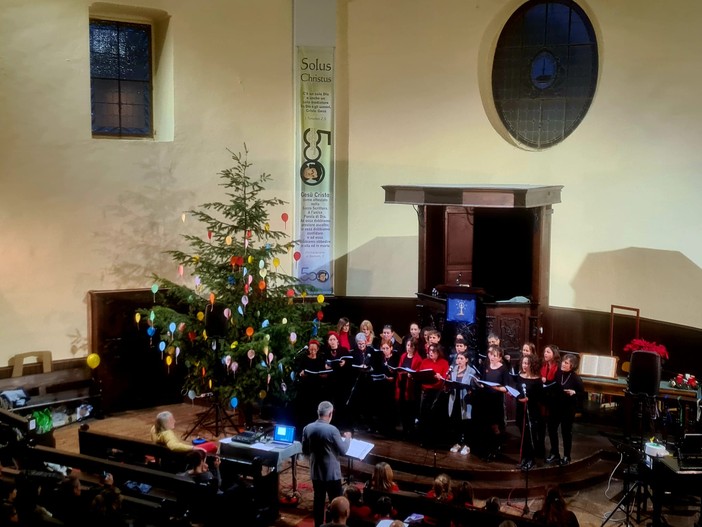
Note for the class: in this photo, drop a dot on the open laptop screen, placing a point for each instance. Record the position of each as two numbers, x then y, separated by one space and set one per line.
284 433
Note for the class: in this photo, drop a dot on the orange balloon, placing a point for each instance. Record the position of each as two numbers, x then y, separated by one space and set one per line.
212 298
262 285
249 331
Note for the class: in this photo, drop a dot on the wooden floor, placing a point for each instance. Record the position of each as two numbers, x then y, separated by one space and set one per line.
594 457
590 482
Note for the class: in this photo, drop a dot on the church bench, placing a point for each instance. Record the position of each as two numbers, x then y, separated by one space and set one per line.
130 450
407 503
70 383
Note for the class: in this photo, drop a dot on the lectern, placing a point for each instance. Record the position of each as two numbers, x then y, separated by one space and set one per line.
491 242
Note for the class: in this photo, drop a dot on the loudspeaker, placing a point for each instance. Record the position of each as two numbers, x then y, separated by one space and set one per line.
645 373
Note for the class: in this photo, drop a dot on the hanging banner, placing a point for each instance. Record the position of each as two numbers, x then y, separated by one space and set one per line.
314 142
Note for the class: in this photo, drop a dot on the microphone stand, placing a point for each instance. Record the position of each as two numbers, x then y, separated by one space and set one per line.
527 468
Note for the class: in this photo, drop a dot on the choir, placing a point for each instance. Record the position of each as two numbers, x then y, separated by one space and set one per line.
412 387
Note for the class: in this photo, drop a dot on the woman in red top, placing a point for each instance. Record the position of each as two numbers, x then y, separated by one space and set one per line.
550 364
406 390
343 328
383 478
429 413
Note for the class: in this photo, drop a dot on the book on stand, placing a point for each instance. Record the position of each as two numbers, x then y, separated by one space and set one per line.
598 366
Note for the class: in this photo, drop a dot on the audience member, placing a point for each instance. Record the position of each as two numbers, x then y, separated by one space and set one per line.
554 511
383 478
162 433
338 512
492 504
360 514
384 509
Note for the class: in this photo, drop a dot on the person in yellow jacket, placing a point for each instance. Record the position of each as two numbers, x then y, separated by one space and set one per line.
162 433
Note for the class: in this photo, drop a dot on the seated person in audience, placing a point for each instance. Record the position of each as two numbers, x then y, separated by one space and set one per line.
200 472
554 511
106 510
383 478
338 512
68 502
384 509
359 513
162 433
441 489
440 492
463 495
492 505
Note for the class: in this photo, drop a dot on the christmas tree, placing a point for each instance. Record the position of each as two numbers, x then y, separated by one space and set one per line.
238 329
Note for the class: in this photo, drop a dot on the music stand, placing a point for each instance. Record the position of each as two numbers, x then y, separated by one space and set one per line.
638 491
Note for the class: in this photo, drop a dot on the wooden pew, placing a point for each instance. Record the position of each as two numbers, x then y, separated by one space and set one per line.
141 453
406 503
69 383
129 450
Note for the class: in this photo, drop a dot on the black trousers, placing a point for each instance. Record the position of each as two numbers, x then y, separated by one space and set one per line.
322 489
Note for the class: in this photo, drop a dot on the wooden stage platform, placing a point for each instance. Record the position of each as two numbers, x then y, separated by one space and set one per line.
593 460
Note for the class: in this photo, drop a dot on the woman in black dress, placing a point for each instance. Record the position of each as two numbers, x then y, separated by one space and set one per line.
530 388
490 403
570 390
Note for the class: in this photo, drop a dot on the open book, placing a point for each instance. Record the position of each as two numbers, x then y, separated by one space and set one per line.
345 357
598 366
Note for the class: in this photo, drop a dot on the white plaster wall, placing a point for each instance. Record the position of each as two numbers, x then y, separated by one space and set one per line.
630 171
78 214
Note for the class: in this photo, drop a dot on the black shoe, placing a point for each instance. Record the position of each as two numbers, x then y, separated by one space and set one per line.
565 460
527 465
553 458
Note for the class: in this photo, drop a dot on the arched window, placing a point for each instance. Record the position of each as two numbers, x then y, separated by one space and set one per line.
545 72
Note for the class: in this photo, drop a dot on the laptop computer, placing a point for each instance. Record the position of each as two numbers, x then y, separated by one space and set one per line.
690 452
283 435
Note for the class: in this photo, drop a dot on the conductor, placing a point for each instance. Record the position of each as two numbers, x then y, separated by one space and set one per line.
322 443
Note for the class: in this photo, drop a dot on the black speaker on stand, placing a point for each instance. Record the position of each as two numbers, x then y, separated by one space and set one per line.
643 386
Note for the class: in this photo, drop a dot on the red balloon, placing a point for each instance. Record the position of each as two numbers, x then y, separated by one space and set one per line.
209 234
290 293
297 256
284 217
320 315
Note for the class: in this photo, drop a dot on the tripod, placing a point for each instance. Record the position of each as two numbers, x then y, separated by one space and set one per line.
212 419
634 494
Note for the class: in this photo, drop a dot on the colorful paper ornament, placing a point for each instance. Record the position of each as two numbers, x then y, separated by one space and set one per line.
262 394
249 331
320 315
169 360
200 316
209 235
244 300
267 227
284 321
290 293
152 316
182 217
137 318
320 299
227 313
181 327
265 323
240 310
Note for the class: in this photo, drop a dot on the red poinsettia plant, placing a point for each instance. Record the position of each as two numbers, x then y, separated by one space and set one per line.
645 345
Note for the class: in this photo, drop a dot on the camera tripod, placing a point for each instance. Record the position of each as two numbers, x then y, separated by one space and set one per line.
636 493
